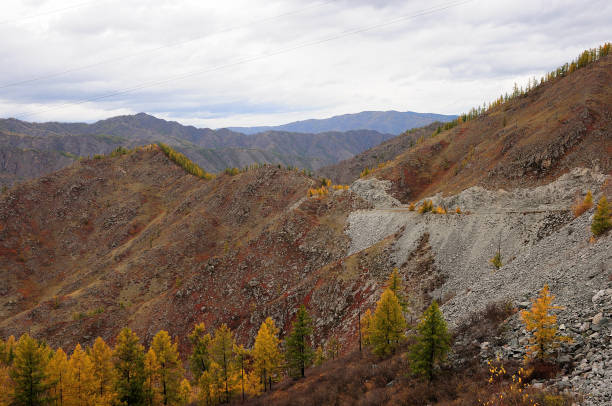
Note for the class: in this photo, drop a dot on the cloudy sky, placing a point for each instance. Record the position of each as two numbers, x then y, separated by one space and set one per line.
245 62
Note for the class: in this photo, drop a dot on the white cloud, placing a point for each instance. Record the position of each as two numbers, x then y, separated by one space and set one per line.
445 62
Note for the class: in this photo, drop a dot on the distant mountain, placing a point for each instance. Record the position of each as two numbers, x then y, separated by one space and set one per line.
388 122
30 150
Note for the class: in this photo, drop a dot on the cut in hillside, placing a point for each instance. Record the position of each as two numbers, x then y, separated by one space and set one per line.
388 122
529 140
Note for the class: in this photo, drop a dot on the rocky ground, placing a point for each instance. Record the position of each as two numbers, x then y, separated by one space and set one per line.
541 243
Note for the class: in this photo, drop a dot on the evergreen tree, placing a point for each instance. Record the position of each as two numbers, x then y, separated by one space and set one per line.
170 370
222 353
601 219
299 352
266 352
57 371
433 342
387 325
396 285
128 359
104 373
81 384
200 358
29 373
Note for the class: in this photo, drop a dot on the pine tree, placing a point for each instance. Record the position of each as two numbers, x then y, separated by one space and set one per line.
222 353
104 373
29 373
433 342
170 369
128 358
396 285
601 219
299 352
57 371
387 325
266 353
545 335
200 358
81 384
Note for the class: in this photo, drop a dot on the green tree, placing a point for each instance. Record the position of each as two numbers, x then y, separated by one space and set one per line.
222 353
170 370
128 358
433 342
266 352
386 328
29 373
601 219
299 351
199 361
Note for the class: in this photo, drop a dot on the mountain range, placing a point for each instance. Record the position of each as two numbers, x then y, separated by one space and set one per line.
388 122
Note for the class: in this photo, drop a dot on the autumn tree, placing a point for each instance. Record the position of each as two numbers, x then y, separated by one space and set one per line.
6 386
542 325
151 379
57 376
319 356
387 325
432 342
222 353
7 351
184 392
170 370
266 353
332 348
81 384
128 358
582 206
299 352
601 220
104 373
29 373
199 360
366 327
396 285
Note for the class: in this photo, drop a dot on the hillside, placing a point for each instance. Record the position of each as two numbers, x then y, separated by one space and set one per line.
529 140
214 150
387 122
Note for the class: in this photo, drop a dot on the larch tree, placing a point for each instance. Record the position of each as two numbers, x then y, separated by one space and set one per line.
222 353
387 325
29 373
366 327
6 386
184 393
601 220
299 353
151 383
332 348
396 285
57 376
432 342
266 353
128 358
7 351
542 325
170 369
319 356
81 384
199 360
104 373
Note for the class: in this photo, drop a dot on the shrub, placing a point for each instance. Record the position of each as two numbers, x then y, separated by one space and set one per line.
458 210
601 220
439 210
318 192
496 261
411 207
231 171
365 172
98 156
184 162
119 151
426 207
582 206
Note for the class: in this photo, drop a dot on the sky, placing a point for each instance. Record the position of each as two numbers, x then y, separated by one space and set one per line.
246 62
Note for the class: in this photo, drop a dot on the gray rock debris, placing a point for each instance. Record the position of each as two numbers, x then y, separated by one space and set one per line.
374 191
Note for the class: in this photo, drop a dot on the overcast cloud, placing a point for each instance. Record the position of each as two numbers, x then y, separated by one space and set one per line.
207 63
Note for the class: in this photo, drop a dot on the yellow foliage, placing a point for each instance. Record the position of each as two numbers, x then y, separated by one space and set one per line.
458 210
6 386
80 382
365 172
426 206
318 192
266 352
184 393
411 207
439 210
545 335
582 206
57 371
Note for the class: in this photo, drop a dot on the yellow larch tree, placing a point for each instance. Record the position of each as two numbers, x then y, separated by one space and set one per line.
543 325
151 382
387 325
57 372
81 384
184 392
6 386
101 356
170 370
266 353
222 354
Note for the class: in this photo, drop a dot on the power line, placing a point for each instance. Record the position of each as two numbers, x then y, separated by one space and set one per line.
59 10
160 48
343 34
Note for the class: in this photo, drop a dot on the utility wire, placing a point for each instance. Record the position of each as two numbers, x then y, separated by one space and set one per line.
343 34
59 10
160 48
